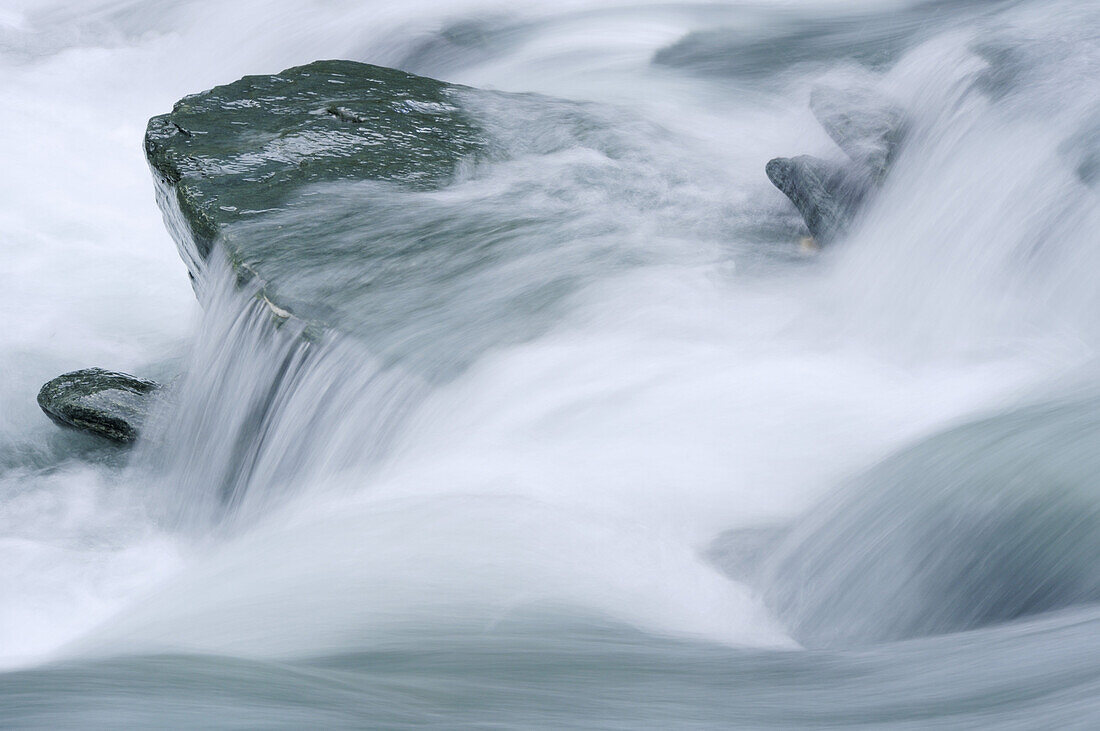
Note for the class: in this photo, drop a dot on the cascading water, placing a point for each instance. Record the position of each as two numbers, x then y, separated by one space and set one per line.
603 449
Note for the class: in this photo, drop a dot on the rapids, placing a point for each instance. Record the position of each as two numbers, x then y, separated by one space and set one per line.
632 461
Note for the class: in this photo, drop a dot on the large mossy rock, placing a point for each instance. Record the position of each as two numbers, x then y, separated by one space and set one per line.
105 403
335 191
232 156
428 220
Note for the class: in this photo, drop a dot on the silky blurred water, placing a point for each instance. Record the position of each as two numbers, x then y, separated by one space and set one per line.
633 459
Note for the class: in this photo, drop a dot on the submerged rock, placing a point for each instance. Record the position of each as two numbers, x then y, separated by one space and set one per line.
868 127
875 39
864 124
741 553
105 403
984 523
460 44
1083 151
739 53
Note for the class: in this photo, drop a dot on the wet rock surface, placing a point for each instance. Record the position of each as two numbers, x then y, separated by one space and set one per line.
347 197
239 152
96 401
868 128
825 193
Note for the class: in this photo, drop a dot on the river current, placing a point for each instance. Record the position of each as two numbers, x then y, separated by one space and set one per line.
643 462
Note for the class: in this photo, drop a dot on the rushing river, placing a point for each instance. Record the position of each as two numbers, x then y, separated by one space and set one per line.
615 452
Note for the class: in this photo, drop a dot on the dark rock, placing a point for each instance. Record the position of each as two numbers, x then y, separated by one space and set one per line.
825 193
329 191
224 156
287 176
105 403
868 127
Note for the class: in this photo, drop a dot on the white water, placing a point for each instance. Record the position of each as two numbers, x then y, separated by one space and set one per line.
582 470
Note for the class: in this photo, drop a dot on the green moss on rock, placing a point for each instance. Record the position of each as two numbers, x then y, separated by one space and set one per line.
231 155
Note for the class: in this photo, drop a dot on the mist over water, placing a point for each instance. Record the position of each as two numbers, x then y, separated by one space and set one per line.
608 450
